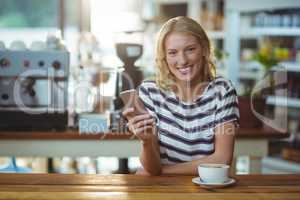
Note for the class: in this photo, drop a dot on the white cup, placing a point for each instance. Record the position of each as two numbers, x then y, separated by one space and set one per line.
17 45
2 45
38 46
213 173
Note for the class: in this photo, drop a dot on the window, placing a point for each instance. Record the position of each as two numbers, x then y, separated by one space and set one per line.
29 13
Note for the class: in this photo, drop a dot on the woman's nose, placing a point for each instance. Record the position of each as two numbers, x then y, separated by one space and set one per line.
182 59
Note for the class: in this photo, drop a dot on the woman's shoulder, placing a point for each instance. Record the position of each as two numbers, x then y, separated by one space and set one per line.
150 87
222 84
149 83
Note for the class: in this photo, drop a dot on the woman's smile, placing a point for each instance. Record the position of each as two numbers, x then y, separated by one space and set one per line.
185 70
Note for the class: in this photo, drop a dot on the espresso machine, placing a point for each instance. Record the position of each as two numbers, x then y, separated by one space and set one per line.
33 89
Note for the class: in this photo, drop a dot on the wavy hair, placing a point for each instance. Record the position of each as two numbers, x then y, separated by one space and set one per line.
164 78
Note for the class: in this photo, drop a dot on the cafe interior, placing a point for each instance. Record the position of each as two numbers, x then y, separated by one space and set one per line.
62 66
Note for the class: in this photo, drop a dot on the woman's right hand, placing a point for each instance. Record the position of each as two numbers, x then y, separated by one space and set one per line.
143 125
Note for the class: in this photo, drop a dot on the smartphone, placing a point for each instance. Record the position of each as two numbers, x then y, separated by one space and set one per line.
131 99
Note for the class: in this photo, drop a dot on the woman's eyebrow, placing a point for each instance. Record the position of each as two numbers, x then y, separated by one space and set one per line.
188 46
191 45
171 49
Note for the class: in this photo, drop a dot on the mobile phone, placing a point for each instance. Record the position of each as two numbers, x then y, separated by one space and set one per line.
131 99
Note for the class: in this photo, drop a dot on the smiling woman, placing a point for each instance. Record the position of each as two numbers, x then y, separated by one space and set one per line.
196 113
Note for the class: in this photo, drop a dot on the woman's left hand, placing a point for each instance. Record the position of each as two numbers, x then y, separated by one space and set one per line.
142 126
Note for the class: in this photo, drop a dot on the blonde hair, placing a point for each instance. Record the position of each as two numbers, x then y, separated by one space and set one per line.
164 78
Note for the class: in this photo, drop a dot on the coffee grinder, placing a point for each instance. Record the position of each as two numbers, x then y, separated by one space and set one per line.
129 76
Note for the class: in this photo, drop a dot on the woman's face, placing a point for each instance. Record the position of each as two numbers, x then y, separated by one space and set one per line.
184 56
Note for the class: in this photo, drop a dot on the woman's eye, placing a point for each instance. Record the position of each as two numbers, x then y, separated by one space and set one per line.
191 49
171 53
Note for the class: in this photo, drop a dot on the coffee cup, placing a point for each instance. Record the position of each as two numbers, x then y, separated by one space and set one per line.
38 46
2 45
17 45
213 173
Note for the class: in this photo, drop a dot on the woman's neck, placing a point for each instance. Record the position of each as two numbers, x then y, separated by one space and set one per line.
189 91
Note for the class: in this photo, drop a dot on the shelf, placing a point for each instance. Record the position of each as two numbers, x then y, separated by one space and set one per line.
260 5
248 75
272 31
165 2
253 33
250 65
250 70
283 101
288 66
238 26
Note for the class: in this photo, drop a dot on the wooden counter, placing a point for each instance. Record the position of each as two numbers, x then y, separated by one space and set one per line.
85 187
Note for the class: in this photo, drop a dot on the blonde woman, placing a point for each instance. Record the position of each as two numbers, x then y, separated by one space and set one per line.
193 115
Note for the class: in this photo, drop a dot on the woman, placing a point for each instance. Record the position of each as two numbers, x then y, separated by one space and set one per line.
193 115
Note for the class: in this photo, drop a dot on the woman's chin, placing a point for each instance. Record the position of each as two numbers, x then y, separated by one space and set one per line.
185 78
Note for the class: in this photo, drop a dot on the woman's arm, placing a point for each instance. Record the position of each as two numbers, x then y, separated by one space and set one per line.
150 157
144 128
224 147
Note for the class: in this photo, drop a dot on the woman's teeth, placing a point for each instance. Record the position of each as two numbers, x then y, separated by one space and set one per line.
184 70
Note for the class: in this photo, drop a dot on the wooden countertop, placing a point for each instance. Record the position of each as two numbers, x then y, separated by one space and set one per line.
75 135
85 187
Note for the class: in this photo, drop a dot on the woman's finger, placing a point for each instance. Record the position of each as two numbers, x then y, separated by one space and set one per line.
134 128
138 118
144 123
142 131
139 124
127 112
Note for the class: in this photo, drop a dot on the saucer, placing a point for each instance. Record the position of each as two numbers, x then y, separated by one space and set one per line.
198 181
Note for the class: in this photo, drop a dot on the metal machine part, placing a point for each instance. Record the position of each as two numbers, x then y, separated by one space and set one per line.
33 89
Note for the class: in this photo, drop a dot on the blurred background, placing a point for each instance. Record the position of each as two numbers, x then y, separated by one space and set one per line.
92 45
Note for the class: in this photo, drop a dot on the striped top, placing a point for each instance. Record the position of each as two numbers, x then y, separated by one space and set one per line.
186 130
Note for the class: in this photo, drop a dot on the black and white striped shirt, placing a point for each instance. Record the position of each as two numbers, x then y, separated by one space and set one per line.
186 130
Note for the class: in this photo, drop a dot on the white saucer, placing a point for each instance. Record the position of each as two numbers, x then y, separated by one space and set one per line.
198 181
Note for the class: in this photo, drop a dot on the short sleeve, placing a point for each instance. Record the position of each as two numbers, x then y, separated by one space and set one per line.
227 106
145 96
